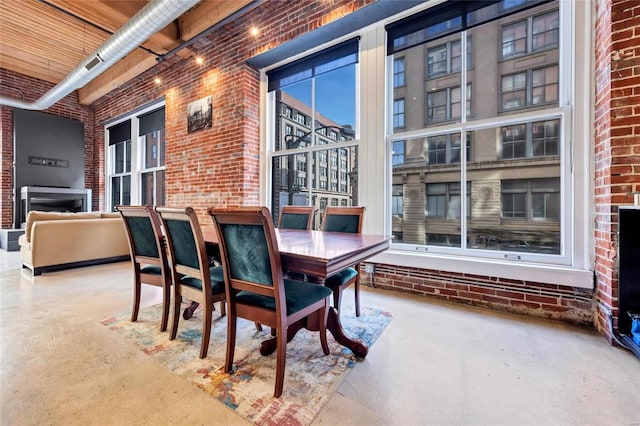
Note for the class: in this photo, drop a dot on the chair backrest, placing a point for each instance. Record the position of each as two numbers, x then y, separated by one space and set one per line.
295 217
144 234
249 251
185 243
343 219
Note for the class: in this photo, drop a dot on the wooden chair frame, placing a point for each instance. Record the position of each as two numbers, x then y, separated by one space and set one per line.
297 210
139 261
276 319
205 298
347 211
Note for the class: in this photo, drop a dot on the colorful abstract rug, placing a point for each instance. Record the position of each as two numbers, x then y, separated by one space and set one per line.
310 376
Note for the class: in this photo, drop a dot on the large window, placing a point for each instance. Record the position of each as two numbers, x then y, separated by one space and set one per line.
501 206
136 158
314 159
525 170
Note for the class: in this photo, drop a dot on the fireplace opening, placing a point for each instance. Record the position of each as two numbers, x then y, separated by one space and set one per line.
52 199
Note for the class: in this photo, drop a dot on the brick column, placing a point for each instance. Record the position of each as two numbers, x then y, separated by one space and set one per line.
617 138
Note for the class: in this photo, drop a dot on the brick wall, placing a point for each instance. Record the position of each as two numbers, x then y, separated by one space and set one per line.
511 295
31 89
617 138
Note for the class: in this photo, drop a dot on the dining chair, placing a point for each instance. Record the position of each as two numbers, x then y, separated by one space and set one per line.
192 276
344 219
255 286
148 256
295 217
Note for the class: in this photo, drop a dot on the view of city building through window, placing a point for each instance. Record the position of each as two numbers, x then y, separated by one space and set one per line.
507 56
315 155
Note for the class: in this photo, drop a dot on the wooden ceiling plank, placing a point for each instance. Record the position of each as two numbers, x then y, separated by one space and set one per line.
206 14
112 15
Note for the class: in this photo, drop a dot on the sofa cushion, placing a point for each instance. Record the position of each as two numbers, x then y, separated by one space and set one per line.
35 215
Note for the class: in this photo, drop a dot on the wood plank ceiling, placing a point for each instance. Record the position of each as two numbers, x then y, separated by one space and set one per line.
46 39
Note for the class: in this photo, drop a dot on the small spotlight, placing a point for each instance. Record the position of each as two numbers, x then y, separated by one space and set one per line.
157 80
254 31
199 60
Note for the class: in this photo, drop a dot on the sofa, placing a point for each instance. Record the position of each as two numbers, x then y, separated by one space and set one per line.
53 241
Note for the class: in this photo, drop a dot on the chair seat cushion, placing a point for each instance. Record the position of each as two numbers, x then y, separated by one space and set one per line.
151 270
299 294
341 278
217 280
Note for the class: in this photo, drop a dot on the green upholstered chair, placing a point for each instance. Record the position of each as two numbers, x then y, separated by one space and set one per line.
344 219
295 217
148 256
256 289
192 276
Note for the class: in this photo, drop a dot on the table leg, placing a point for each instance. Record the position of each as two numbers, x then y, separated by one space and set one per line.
358 348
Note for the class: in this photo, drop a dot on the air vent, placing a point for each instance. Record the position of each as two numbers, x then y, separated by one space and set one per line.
95 61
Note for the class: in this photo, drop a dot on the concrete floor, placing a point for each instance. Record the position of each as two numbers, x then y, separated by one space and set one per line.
435 364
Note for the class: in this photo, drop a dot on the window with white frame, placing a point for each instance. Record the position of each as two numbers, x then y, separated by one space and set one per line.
321 87
136 158
495 196
551 235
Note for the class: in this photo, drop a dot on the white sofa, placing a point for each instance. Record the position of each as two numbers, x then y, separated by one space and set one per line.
54 241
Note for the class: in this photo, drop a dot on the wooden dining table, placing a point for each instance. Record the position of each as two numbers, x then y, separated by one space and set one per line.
319 255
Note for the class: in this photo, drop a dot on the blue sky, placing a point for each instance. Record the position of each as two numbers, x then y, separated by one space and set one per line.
335 94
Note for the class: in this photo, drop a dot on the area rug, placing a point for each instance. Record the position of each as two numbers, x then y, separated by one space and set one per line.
310 380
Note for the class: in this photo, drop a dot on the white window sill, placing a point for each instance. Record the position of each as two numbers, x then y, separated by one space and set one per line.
549 274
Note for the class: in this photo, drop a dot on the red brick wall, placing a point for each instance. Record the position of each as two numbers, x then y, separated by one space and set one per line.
617 138
217 166
31 90
521 297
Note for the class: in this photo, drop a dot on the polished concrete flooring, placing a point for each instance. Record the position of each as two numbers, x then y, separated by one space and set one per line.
435 364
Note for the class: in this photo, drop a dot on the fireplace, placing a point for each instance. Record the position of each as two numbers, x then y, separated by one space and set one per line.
52 199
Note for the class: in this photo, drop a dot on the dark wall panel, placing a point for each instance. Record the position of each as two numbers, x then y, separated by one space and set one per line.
48 151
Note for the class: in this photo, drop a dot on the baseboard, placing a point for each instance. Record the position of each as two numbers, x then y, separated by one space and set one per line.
52 268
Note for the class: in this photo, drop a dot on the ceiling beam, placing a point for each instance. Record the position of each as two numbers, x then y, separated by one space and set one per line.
206 14
132 65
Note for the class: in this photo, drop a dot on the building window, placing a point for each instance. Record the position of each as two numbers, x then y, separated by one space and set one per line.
398 113
398 72
443 200
536 139
530 88
444 105
136 158
531 199
445 149
531 35
446 58
397 157
396 200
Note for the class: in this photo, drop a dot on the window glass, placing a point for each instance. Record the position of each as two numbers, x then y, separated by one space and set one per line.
313 112
512 161
136 161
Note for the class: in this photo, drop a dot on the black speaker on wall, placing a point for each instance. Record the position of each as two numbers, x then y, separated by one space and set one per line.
628 267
